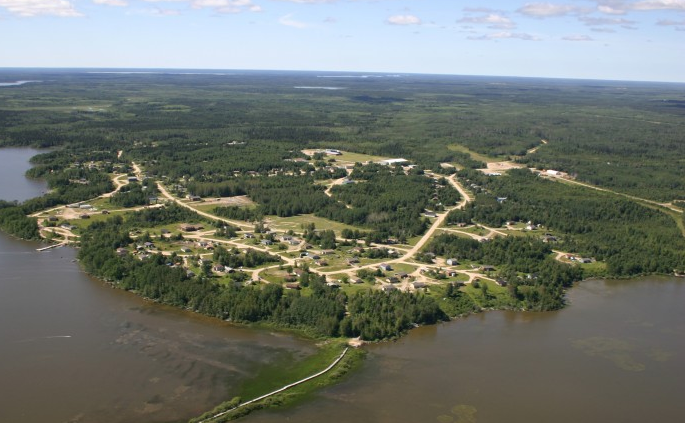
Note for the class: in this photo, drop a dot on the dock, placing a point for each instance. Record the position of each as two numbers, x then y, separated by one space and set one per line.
61 244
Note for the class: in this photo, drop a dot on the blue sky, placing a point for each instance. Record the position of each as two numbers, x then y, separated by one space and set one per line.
597 39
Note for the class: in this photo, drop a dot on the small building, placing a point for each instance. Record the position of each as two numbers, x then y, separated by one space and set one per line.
194 198
85 206
332 152
419 285
429 213
501 282
549 238
353 260
321 263
393 279
385 267
84 216
248 235
132 179
452 262
487 268
356 281
267 242
52 219
292 285
122 252
299 272
388 288
402 275
219 268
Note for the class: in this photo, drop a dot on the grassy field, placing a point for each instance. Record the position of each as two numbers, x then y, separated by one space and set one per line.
295 223
476 156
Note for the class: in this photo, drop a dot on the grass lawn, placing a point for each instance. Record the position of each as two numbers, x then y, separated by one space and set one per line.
295 223
476 156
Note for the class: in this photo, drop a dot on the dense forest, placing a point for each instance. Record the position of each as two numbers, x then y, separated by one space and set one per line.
627 136
632 238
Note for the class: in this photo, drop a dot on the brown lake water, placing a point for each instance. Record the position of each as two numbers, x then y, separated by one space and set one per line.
616 354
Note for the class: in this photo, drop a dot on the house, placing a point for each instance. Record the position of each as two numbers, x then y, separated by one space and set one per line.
321 263
585 260
452 262
267 242
248 235
501 282
419 285
327 252
388 288
298 271
194 198
132 179
52 219
353 260
84 216
429 213
149 245
85 206
393 279
452 273
549 238
402 275
292 285
332 152
219 268
385 267
122 252
333 284
487 268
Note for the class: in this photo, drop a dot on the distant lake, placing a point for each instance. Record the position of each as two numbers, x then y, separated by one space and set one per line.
15 83
14 162
616 354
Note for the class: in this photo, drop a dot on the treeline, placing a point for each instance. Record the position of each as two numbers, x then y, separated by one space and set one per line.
633 239
380 315
388 201
133 194
375 316
533 277
235 258
14 221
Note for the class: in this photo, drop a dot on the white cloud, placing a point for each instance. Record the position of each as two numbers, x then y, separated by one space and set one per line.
546 10
493 21
120 3
590 21
288 20
577 38
404 20
505 35
225 6
30 8
659 5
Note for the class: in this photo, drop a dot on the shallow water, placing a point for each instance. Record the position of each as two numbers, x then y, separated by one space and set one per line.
616 354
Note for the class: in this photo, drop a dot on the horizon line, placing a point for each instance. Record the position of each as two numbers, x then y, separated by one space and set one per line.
208 71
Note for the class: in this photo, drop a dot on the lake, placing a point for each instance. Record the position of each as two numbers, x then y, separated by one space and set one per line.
616 354
15 186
